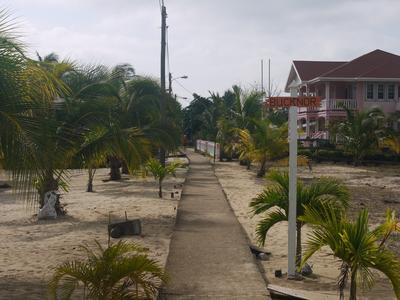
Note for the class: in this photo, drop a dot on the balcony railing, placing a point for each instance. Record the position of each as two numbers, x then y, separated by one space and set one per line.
329 104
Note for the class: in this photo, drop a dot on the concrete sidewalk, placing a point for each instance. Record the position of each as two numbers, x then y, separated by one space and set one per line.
209 255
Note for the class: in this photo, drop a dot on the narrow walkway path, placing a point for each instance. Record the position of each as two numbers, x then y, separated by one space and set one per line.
209 255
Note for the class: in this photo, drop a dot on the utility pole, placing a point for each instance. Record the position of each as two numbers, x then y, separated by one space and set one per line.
269 77
262 76
163 94
170 83
262 87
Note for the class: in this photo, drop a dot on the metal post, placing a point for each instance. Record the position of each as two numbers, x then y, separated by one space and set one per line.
269 77
292 187
262 76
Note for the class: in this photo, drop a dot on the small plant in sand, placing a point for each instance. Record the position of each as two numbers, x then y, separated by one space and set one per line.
359 248
273 202
120 271
361 131
265 142
160 172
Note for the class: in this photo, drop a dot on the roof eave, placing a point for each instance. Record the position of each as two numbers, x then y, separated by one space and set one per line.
287 89
319 79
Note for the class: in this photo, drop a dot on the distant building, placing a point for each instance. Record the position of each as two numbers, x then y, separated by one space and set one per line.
371 80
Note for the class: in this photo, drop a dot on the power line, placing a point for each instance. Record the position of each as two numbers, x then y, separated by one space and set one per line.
159 2
182 86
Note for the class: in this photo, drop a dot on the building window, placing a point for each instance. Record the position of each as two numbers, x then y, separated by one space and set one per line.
348 92
370 91
391 91
381 91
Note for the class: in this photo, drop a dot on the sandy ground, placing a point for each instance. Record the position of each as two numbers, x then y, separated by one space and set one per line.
371 187
29 249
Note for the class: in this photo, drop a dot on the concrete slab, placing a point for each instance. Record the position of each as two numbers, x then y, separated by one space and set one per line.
209 256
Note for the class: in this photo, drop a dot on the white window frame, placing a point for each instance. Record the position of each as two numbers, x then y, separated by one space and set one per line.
373 91
383 91
387 93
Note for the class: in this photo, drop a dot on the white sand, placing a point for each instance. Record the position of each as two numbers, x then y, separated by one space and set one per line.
369 187
29 249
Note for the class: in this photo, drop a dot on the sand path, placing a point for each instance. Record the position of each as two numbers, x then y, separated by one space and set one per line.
30 249
209 255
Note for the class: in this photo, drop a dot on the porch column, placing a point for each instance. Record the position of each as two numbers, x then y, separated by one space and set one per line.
327 94
308 127
317 124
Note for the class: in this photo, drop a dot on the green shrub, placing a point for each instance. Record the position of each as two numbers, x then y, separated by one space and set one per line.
305 152
332 155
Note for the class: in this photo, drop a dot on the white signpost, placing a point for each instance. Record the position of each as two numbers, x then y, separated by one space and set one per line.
292 187
293 102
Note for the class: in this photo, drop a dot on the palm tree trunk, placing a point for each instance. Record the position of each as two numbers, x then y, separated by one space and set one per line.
248 164
344 271
353 285
125 169
115 164
229 156
160 188
91 173
261 172
48 184
298 244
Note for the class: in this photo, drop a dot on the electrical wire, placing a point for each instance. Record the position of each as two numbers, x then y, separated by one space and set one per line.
159 3
182 86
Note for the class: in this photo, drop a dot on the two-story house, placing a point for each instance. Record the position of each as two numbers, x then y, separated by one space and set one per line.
371 80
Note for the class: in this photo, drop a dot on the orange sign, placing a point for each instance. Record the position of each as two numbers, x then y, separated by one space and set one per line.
302 101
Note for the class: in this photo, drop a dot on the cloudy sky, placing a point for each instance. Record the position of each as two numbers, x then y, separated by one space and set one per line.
217 43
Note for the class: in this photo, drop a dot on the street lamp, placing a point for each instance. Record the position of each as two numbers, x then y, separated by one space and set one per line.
172 79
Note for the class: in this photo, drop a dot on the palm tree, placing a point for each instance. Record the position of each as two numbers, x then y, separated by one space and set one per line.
120 271
247 107
27 91
360 132
246 147
160 172
273 202
265 142
123 113
391 139
101 142
226 137
359 248
52 64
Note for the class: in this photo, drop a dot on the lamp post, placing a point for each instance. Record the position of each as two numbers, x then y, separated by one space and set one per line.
172 79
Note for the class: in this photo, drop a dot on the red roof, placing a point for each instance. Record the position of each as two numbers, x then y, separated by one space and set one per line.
375 64
308 70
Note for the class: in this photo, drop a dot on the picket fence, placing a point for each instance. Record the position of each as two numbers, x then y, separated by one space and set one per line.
208 147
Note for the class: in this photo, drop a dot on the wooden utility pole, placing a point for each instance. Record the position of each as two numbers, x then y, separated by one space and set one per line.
163 94
170 83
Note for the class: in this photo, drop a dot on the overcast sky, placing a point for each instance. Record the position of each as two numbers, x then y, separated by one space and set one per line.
217 43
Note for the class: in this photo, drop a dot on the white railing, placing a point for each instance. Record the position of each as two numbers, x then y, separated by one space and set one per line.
208 147
319 135
340 103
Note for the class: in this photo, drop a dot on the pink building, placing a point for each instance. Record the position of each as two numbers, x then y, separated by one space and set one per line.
371 80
